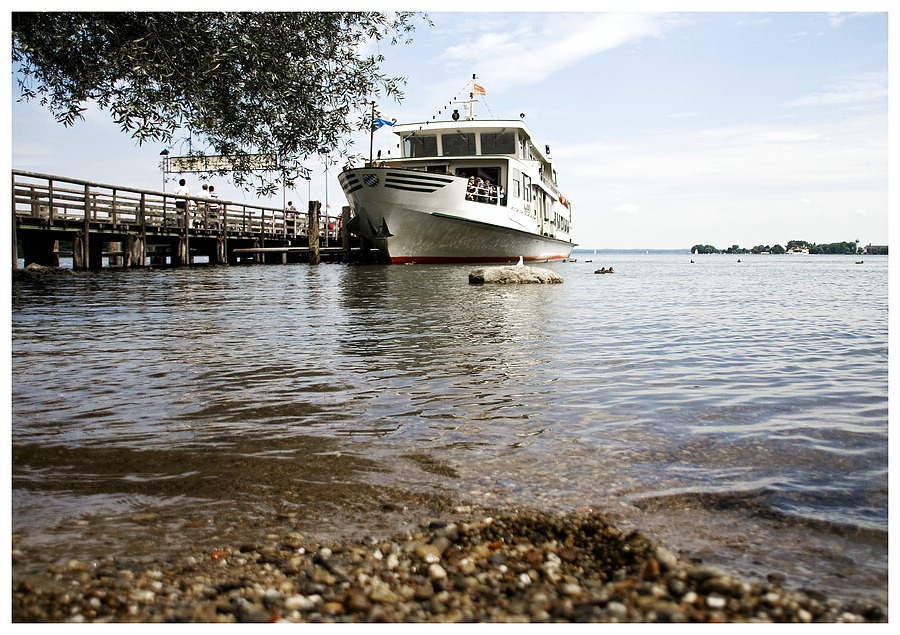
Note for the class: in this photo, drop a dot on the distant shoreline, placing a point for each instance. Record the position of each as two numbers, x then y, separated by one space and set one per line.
631 251
678 252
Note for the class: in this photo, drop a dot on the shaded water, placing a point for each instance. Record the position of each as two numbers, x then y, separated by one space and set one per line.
735 411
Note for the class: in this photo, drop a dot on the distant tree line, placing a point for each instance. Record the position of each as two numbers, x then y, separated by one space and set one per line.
847 247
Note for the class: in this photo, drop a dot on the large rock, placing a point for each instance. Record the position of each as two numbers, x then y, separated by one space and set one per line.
515 274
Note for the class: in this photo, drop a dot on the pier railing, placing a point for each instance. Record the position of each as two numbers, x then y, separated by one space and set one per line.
54 199
141 227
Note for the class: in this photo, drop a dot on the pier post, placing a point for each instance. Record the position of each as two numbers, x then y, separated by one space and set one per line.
182 255
221 251
116 260
135 251
313 224
345 233
15 240
365 250
79 251
81 256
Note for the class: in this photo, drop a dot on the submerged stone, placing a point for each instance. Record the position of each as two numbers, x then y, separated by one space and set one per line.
515 274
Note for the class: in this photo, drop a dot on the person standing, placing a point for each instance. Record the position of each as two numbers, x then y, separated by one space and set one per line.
471 189
290 219
214 207
181 204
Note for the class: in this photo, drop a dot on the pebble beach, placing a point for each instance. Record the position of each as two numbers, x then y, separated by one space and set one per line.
469 565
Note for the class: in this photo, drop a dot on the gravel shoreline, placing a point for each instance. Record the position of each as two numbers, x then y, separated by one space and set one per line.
480 566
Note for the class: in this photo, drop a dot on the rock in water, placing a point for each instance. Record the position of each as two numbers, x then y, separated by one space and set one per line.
515 274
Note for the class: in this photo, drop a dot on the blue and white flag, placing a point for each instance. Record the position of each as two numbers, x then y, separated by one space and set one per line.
377 123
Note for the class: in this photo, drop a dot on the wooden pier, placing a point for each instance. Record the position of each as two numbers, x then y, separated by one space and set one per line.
138 228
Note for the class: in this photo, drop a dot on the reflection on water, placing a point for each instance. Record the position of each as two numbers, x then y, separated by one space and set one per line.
716 394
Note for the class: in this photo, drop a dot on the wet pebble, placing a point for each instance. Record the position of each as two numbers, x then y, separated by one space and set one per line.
519 566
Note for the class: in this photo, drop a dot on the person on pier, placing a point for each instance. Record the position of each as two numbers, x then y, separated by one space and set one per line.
290 219
213 207
181 204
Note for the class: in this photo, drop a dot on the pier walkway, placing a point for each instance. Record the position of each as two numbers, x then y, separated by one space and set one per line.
137 228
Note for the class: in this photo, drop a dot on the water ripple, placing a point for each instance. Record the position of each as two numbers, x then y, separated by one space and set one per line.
665 381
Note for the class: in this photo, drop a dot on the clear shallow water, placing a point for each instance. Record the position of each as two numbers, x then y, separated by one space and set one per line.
737 411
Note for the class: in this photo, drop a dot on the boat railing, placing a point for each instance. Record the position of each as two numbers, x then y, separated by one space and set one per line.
550 184
488 198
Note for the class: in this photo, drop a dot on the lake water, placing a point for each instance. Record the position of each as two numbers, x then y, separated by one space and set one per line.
735 410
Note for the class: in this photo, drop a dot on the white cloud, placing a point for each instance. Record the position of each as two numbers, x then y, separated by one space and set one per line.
838 19
565 39
742 157
857 89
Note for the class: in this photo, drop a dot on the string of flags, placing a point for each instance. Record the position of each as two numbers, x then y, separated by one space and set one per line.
378 122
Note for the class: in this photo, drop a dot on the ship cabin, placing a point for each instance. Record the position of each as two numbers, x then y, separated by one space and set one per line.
500 154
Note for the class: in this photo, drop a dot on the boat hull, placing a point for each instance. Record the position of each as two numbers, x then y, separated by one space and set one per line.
418 217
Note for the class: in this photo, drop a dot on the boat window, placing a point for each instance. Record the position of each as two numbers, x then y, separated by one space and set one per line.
420 145
479 173
527 183
485 185
458 144
498 143
517 184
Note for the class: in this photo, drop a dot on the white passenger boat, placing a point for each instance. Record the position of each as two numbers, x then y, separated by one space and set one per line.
462 190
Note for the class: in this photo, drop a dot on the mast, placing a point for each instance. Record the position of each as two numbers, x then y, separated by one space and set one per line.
469 103
371 132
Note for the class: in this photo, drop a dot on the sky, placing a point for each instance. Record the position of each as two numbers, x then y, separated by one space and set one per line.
669 125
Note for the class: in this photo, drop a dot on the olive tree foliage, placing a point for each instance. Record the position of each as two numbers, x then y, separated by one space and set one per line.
291 84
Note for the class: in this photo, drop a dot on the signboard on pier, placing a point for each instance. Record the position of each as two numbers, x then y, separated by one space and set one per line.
222 163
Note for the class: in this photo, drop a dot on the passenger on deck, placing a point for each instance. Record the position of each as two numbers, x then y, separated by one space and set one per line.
471 189
480 191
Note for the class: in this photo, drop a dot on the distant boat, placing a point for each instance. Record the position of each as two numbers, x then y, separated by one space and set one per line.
798 251
463 190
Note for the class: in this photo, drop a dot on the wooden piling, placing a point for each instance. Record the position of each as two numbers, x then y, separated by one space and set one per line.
345 233
15 240
135 251
82 256
221 251
313 231
79 251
